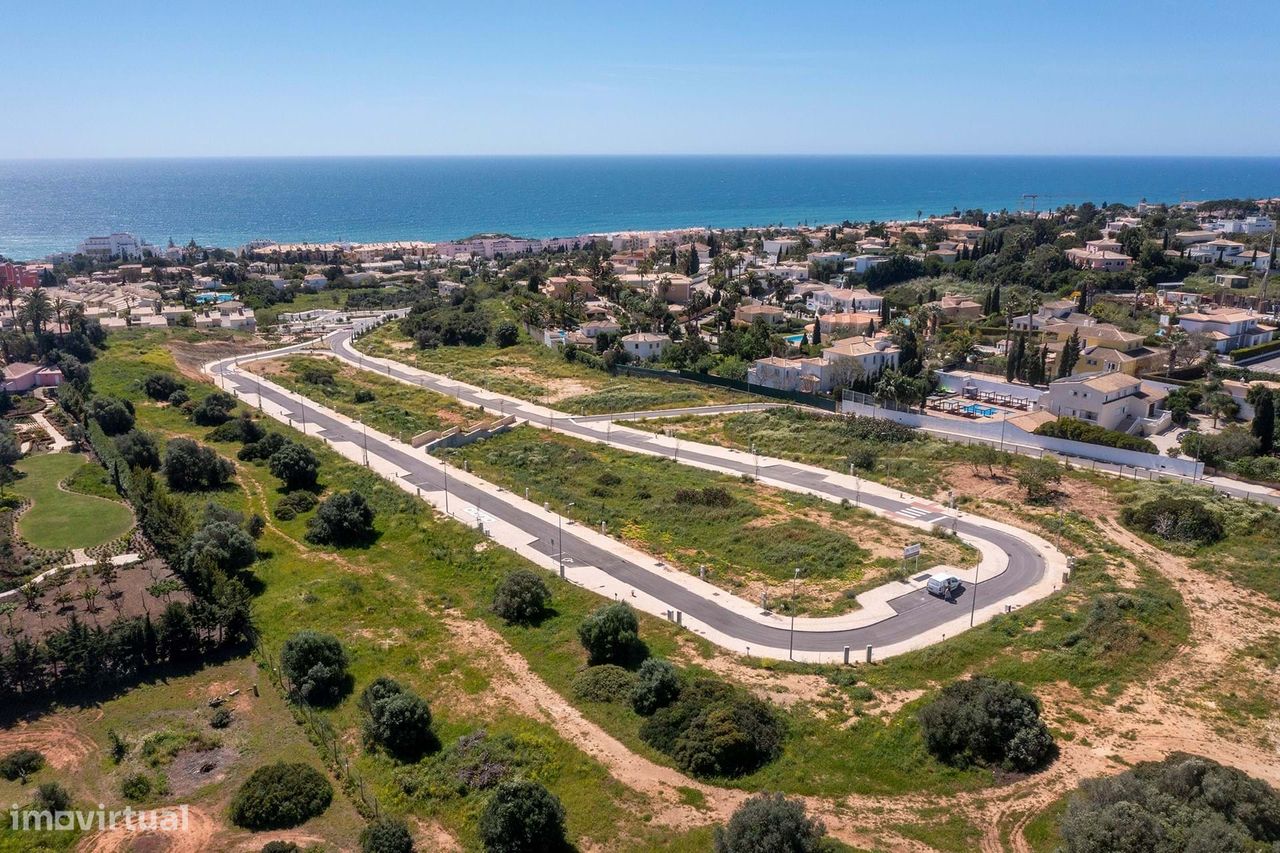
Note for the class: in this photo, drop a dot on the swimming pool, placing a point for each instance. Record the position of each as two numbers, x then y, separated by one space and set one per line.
204 298
975 409
794 340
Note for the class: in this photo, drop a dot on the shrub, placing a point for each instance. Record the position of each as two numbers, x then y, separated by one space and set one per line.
50 796
506 334
386 835
986 721
604 683
221 718
866 428
400 724
20 764
1074 429
522 817
243 429
139 449
136 787
285 512
521 598
770 823
213 410
190 467
296 465
278 796
223 544
160 386
264 448
342 519
657 686
316 666
1038 478
280 847
363 395
1175 519
713 496
382 687
179 397
714 729
114 415
1184 802
297 503
610 634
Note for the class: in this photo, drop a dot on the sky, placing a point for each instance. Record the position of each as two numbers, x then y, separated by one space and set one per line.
389 77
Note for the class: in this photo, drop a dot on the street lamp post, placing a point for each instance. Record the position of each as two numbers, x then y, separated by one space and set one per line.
973 605
1003 421
445 466
791 642
756 457
560 537
365 440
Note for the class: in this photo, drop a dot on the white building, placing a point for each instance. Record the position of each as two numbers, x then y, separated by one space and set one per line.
1114 401
1227 328
119 245
643 346
861 263
1229 252
1248 225
842 299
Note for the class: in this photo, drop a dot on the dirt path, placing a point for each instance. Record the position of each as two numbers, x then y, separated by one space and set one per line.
197 837
56 736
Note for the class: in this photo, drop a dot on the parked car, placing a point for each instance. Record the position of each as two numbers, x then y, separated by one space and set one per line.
943 586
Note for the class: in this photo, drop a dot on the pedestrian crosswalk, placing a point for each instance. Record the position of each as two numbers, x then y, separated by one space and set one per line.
914 512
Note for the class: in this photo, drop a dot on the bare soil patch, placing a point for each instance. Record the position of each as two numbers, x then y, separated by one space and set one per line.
190 356
192 769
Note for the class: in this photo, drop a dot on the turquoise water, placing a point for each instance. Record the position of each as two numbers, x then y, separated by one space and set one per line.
214 297
51 205
794 340
975 409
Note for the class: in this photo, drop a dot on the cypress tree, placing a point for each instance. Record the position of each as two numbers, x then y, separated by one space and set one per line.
885 312
995 300
1264 423
817 331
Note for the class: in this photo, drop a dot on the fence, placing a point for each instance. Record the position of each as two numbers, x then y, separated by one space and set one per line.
1017 440
816 401
320 733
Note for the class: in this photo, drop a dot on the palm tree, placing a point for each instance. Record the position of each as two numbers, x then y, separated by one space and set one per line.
60 306
11 296
37 309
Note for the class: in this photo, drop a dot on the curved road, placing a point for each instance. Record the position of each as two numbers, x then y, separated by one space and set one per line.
914 614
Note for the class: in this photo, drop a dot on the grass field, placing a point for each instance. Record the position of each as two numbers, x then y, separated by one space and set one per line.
302 302
534 372
395 408
750 545
66 519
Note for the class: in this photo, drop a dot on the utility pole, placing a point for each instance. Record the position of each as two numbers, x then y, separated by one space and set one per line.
445 465
973 605
560 537
791 642
1266 274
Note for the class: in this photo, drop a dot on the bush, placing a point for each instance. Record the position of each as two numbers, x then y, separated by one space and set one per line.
770 823
605 683
1183 803
342 519
386 835
264 448
363 395
294 504
866 428
50 796
400 724
610 634
139 449
657 686
1038 477
316 666
179 397
136 787
1175 520
296 465
221 544
286 513
243 429
714 729
1074 429
713 496
21 764
114 415
521 598
506 334
522 817
279 796
160 386
221 718
280 847
190 467
986 721
213 410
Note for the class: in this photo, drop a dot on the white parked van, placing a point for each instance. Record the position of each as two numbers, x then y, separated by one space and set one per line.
943 586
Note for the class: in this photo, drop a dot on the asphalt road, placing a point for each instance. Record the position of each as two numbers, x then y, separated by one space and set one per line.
916 611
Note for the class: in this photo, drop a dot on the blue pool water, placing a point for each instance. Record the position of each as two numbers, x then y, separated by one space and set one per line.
206 298
794 340
975 409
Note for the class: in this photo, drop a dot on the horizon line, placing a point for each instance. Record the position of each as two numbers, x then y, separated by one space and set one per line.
672 155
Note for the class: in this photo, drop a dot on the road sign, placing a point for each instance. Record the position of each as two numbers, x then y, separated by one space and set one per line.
911 551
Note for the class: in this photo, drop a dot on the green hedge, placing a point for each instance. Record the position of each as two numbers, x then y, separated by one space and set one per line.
1258 349
1078 430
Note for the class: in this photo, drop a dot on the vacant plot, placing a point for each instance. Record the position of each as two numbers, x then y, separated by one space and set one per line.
750 538
387 405
59 518
534 372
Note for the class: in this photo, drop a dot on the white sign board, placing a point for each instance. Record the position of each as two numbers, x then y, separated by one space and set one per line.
911 551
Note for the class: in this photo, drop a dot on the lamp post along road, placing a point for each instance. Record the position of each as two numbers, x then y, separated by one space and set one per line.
560 538
791 640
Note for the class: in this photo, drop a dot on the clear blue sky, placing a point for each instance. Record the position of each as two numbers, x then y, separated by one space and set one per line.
122 79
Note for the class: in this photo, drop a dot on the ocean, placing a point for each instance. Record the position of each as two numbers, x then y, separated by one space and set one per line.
50 205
